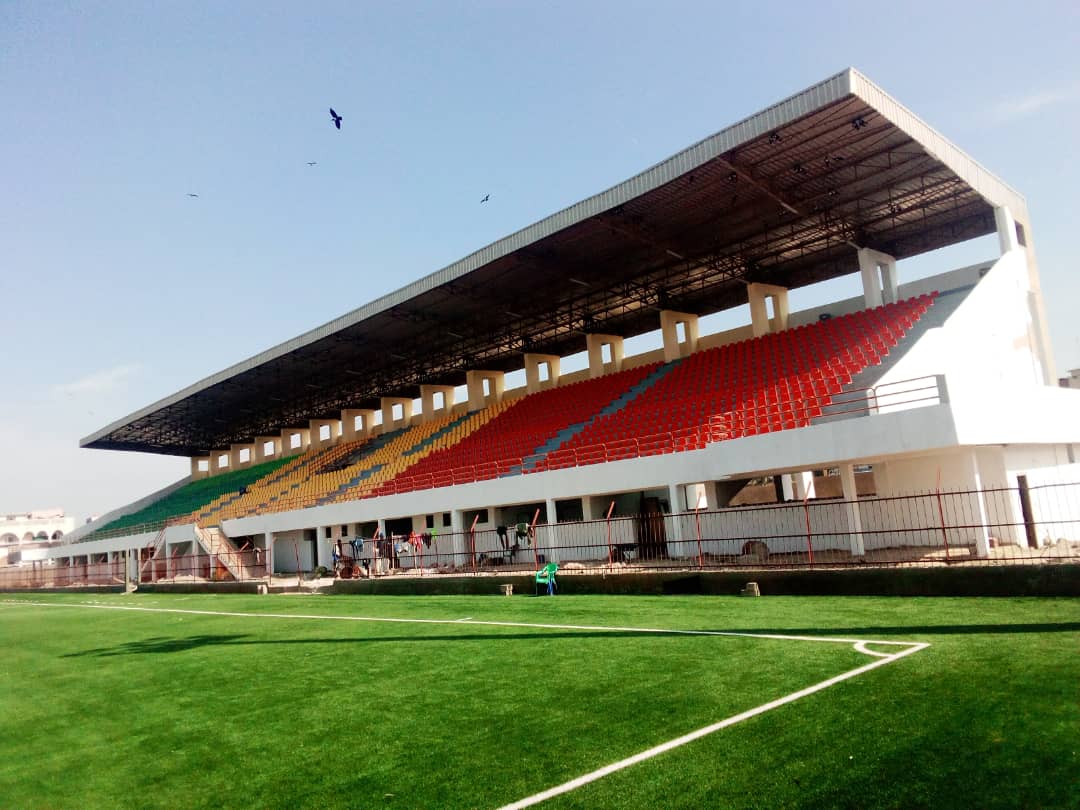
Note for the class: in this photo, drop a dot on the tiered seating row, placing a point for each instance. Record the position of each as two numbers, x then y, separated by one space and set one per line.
776 382
503 443
193 496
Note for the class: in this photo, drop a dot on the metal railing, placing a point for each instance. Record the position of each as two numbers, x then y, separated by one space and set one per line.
1038 525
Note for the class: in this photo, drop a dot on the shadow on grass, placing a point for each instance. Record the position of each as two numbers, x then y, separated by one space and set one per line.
164 644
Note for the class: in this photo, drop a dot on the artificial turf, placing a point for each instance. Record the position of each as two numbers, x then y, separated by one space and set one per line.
105 708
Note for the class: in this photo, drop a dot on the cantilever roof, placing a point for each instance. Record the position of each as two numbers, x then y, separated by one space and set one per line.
783 197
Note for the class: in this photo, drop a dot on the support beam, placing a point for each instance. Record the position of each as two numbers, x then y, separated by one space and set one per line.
669 326
261 453
315 430
879 277
485 388
854 516
758 296
533 365
286 441
428 395
1006 230
356 423
982 530
235 452
388 421
595 344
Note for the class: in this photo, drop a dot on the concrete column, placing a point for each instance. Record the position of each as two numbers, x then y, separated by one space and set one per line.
323 548
595 345
594 507
669 322
427 400
216 459
982 531
788 486
677 499
268 541
461 541
803 484
847 481
260 448
196 473
533 362
758 296
474 382
288 433
350 431
387 404
315 427
1006 229
234 455
879 277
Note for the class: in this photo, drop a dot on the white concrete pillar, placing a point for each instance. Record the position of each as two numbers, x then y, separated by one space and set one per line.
533 363
324 546
669 327
803 485
788 487
388 421
235 450
268 542
879 277
712 495
854 516
1006 229
286 441
475 382
262 453
428 406
356 423
758 296
677 500
982 531
315 431
595 345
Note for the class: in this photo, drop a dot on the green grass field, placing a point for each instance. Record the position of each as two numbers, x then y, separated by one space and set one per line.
140 708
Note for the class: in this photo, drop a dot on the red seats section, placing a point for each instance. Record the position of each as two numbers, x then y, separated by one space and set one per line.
504 443
775 382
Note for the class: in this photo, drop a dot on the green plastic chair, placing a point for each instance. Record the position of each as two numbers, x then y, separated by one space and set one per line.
546 576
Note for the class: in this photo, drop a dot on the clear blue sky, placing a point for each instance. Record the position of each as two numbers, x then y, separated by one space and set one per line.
117 289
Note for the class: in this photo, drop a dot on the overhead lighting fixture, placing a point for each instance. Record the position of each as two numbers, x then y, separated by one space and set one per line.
774 137
455 334
858 123
578 281
512 314
732 177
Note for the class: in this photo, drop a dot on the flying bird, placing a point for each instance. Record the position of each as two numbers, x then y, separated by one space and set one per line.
336 117
486 198
311 163
193 195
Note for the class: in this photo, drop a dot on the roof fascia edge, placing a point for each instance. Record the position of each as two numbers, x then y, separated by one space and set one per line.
773 117
991 187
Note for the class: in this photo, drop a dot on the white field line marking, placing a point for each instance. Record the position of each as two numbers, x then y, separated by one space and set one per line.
574 784
530 625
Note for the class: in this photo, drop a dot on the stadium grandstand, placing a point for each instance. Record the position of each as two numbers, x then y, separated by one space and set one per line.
918 420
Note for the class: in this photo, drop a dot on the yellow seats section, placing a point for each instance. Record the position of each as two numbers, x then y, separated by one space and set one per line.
396 461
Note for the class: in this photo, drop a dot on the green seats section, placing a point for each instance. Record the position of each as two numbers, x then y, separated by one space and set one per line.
185 500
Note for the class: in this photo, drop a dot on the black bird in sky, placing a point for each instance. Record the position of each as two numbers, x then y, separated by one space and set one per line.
311 163
336 117
193 195
486 198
